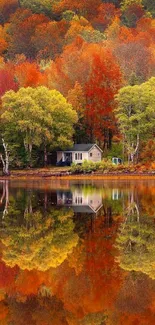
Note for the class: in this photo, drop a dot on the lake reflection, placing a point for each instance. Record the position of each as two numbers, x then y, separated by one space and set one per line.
77 253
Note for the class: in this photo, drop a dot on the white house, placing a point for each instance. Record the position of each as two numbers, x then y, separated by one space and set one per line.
79 153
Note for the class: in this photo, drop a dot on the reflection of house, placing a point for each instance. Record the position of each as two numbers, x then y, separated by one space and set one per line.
79 153
80 201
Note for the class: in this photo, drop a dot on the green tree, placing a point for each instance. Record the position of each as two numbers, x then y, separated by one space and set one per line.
136 115
93 36
127 3
149 6
68 15
38 116
38 6
132 11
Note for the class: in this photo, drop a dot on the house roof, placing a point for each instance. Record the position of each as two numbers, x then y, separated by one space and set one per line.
83 147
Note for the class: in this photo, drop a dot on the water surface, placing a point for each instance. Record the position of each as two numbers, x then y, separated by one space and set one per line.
77 253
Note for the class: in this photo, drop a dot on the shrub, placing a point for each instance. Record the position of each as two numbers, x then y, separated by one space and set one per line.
89 166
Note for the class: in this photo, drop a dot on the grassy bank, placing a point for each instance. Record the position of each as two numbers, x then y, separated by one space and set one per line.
86 171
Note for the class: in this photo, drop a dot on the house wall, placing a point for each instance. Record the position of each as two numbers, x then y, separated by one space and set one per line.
84 157
96 154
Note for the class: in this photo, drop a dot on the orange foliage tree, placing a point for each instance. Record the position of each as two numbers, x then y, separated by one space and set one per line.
7 80
94 68
72 66
76 97
106 13
128 57
22 28
3 39
104 82
28 75
7 7
49 38
86 8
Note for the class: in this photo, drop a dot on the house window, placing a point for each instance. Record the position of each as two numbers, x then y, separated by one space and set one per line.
91 155
78 156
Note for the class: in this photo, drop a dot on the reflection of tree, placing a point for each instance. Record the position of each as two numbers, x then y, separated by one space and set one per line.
43 311
136 242
89 284
40 243
4 313
135 301
93 279
93 319
5 196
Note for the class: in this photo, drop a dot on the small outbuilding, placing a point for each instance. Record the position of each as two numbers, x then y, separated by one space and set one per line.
117 161
78 153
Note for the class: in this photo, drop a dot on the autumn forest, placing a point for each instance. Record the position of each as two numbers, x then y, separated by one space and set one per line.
79 71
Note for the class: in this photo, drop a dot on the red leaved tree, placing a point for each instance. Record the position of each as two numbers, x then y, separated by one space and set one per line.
7 80
103 84
29 75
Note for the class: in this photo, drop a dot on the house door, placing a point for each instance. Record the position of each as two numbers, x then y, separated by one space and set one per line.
68 157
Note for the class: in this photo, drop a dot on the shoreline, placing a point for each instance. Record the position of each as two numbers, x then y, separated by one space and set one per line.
80 177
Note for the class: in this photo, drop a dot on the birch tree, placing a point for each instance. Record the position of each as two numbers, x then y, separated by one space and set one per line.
4 157
136 115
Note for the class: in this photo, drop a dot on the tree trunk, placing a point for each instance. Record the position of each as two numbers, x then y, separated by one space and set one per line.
110 136
123 150
132 157
45 155
134 153
5 161
105 140
30 154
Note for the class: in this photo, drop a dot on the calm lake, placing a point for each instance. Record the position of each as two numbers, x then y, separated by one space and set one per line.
77 252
